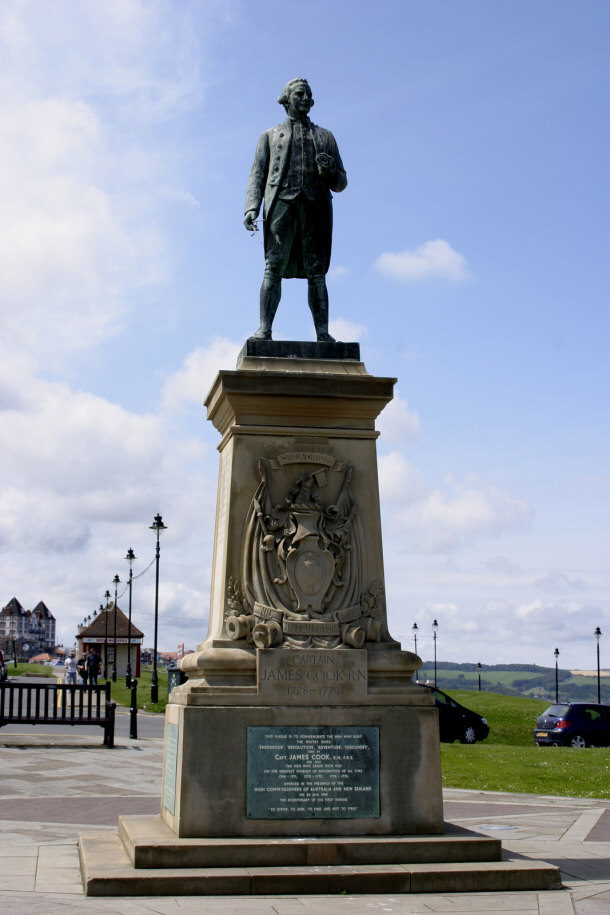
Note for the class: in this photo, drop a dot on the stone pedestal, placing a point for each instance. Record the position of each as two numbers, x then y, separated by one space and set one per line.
298 635
300 755
331 769
297 451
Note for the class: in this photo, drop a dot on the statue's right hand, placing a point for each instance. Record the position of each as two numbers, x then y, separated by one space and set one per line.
249 220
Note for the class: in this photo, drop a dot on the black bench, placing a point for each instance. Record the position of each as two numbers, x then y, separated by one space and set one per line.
58 703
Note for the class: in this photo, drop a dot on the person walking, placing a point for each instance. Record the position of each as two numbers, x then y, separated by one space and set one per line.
71 665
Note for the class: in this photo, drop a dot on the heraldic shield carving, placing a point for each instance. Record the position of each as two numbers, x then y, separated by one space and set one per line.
302 561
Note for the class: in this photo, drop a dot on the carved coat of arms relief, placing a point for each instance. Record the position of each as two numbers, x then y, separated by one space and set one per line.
301 582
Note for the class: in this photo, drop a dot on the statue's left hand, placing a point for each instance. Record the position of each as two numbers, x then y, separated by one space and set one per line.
325 163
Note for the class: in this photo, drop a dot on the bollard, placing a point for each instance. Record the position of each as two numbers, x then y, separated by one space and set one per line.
133 711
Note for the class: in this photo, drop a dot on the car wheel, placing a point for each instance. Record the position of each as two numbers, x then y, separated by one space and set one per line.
578 741
469 735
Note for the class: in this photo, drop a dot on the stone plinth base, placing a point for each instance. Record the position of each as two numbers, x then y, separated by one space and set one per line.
149 842
460 862
298 349
205 791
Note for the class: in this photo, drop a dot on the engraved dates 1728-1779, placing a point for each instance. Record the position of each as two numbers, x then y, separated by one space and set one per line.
301 577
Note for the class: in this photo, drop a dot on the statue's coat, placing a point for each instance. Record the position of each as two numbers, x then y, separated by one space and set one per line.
270 163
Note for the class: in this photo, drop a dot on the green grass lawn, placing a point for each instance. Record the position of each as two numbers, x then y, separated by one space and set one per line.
511 718
524 683
561 771
122 695
31 670
472 676
509 760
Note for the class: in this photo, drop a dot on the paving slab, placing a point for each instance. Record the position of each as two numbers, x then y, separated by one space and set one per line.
600 830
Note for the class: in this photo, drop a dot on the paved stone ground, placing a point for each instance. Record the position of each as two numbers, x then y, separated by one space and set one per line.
53 787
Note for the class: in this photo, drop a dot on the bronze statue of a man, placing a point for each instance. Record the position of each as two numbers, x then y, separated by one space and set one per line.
296 166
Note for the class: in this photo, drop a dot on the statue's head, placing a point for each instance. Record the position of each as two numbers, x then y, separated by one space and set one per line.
296 97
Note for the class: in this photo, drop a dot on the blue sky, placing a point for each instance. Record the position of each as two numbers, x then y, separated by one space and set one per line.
470 260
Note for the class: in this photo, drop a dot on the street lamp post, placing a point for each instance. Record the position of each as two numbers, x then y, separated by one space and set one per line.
415 627
479 672
556 653
156 526
13 635
117 581
434 631
598 635
131 557
107 596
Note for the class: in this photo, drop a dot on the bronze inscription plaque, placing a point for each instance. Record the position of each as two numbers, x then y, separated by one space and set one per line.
309 772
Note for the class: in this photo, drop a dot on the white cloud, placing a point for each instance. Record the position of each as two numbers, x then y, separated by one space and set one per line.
145 57
560 582
83 190
338 272
180 196
558 614
71 455
342 329
466 512
91 169
86 478
69 251
532 609
431 260
190 384
439 520
499 565
397 423
400 483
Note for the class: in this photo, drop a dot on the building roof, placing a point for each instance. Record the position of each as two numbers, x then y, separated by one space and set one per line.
98 629
13 606
41 609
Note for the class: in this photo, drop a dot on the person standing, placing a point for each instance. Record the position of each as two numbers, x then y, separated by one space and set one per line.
71 669
82 669
93 665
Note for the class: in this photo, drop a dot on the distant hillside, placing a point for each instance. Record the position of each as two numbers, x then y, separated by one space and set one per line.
517 680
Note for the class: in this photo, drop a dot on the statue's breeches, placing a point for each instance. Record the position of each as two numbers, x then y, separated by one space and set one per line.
298 235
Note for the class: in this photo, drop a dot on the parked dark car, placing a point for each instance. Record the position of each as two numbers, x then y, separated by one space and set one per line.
579 724
455 721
